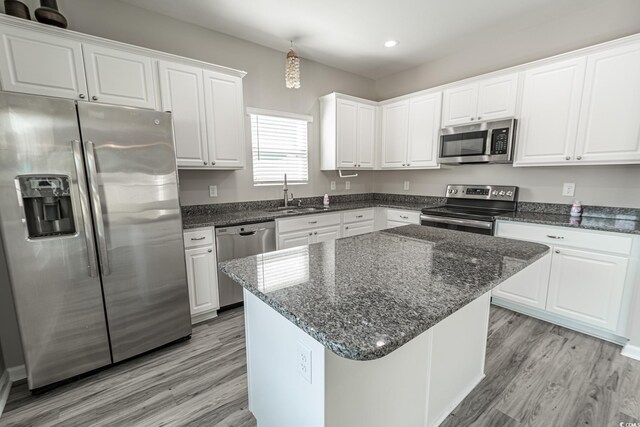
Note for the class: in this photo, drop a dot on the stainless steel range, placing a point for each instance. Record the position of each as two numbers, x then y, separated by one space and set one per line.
472 208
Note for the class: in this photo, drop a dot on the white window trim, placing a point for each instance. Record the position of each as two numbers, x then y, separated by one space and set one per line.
263 112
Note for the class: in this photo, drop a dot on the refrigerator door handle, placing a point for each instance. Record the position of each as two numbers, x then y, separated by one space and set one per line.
97 206
84 207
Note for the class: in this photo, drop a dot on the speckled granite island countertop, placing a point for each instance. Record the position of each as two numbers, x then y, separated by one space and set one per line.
363 297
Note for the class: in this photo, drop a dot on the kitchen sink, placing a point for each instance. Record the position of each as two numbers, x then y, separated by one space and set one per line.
295 209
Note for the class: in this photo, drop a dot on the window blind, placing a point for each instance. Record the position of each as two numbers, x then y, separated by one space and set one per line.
279 146
283 269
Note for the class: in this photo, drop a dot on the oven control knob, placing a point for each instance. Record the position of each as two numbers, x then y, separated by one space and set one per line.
495 192
502 193
455 191
509 193
450 191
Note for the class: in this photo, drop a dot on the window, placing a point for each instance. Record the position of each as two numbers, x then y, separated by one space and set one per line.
279 145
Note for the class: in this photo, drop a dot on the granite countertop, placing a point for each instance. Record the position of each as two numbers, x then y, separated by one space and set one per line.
620 224
363 297
227 219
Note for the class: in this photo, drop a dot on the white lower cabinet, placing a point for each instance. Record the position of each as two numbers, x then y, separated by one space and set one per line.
587 286
398 218
202 279
357 228
295 238
585 283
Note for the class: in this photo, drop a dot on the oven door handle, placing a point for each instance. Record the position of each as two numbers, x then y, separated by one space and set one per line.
453 221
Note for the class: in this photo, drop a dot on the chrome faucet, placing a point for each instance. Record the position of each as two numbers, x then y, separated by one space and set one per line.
286 192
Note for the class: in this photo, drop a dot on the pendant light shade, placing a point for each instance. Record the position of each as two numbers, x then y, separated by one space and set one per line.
292 70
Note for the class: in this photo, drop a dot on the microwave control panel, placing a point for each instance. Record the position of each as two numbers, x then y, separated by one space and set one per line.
499 141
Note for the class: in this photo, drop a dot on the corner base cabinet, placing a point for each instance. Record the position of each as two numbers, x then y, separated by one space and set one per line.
202 273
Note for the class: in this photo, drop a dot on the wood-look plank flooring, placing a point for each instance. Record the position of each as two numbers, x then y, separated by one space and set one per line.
538 374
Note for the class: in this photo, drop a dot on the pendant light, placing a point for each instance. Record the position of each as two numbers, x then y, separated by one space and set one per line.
292 70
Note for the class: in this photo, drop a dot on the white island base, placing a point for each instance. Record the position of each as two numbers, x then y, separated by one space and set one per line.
295 381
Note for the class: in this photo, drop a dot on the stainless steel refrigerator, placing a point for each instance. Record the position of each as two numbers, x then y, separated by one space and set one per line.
92 233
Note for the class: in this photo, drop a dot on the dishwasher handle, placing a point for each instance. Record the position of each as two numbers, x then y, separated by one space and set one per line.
248 233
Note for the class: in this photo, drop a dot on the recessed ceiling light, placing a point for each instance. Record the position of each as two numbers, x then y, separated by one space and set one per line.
391 43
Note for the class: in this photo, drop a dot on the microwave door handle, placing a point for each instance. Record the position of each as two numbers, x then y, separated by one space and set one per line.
84 207
97 206
487 148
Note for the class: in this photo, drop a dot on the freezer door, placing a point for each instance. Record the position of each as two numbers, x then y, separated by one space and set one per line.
133 181
54 275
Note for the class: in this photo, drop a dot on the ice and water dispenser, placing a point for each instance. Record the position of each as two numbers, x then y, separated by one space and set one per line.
47 205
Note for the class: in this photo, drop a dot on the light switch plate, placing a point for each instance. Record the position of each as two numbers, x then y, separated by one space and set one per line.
347 185
568 189
303 362
333 185
213 191
406 185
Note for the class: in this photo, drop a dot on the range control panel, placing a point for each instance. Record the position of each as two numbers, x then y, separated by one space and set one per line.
484 192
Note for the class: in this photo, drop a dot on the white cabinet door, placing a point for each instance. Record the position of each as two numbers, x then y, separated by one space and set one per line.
549 117
357 228
609 118
395 123
366 135
529 286
326 234
119 77
201 277
587 286
295 238
460 105
182 93
346 133
394 224
42 64
225 120
424 126
497 97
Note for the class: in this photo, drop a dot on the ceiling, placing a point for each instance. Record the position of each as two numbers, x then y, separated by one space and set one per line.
350 34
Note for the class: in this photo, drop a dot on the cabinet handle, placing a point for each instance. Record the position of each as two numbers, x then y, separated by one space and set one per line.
555 237
313 222
205 163
213 163
315 232
557 251
346 227
198 238
579 157
472 119
209 250
359 216
568 158
404 217
479 117
95 98
310 234
403 164
408 164
81 96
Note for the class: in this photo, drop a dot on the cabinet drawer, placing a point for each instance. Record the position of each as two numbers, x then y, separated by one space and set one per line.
358 216
409 217
308 221
564 236
198 238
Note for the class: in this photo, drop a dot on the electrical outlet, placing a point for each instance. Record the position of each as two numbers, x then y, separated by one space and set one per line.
213 191
304 362
568 189
406 185
347 185
333 185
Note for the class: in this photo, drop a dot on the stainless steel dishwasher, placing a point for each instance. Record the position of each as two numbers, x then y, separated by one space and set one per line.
239 242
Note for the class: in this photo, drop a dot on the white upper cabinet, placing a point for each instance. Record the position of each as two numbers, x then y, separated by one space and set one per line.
395 130
609 130
115 76
41 64
348 133
424 127
182 93
225 120
548 125
410 131
488 99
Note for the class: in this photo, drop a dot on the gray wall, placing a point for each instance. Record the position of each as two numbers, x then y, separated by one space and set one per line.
263 86
594 23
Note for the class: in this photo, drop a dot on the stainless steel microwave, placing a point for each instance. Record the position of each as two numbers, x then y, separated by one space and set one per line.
487 142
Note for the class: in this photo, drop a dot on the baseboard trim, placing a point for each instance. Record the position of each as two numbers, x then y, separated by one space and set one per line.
17 373
5 388
631 351
202 317
560 321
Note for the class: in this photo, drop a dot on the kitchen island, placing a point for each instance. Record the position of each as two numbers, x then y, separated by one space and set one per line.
385 328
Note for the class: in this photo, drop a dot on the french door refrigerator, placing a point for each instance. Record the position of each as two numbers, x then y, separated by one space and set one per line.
92 233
